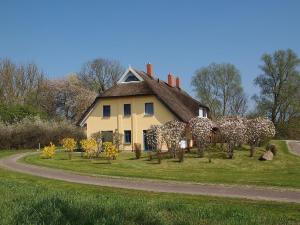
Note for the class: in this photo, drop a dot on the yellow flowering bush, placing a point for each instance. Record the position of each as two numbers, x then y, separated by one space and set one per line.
90 147
49 151
69 144
110 150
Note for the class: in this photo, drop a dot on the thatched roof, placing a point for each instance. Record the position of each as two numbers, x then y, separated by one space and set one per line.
181 104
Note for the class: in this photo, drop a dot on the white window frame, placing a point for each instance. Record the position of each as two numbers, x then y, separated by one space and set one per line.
123 78
201 112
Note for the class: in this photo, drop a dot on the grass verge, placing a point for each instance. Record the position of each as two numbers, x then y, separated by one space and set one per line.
31 200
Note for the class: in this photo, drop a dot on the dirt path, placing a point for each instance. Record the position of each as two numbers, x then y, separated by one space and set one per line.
294 146
248 192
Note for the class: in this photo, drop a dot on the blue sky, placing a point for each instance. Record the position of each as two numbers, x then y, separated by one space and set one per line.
175 36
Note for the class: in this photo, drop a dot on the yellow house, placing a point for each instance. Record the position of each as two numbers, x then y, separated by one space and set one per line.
136 102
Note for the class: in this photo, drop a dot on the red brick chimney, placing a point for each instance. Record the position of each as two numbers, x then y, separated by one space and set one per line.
177 82
149 70
171 80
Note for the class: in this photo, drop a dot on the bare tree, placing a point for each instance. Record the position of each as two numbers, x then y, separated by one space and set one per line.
100 74
20 83
238 104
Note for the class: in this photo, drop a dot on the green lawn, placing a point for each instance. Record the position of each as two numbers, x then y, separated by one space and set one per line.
31 200
283 171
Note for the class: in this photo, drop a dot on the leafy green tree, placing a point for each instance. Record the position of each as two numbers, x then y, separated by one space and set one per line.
16 113
219 87
279 84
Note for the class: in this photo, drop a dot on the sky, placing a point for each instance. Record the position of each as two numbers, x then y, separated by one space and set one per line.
175 36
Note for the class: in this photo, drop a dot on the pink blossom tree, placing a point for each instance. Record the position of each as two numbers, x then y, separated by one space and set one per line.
201 129
233 131
172 133
155 137
258 130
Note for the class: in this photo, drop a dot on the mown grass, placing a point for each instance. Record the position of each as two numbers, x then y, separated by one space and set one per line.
283 171
31 200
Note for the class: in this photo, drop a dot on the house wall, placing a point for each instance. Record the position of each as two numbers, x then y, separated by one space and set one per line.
137 122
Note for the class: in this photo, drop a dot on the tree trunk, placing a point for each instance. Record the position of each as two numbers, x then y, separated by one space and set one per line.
209 155
158 157
200 150
252 150
181 155
230 150
70 155
222 146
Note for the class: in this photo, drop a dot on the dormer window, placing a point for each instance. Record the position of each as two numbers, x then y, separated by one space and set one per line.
202 112
131 77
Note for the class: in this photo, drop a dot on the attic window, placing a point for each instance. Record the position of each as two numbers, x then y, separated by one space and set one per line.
131 78
202 112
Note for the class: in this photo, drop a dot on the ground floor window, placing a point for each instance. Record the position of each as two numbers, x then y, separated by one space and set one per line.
107 136
127 136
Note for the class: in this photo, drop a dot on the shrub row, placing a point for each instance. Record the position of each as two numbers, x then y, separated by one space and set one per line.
29 132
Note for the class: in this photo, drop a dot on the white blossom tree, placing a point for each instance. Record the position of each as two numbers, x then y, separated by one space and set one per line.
233 131
172 133
258 130
155 137
201 129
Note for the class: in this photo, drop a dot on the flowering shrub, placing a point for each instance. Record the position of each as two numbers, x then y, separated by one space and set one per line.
201 129
90 147
233 131
49 151
172 133
98 138
29 132
258 130
69 144
110 150
117 139
155 137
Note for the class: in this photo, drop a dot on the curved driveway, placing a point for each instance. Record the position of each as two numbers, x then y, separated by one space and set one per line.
294 147
248 192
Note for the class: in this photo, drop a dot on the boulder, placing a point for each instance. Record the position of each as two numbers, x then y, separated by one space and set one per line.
272 148
268 155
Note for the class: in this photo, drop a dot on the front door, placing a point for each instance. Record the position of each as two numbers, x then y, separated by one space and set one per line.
146 145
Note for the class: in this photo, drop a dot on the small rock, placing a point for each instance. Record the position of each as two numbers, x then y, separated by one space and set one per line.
268 155
272 148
